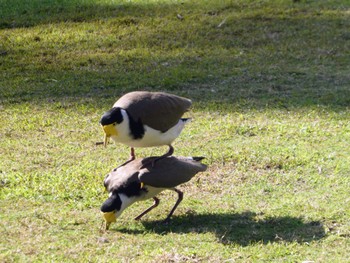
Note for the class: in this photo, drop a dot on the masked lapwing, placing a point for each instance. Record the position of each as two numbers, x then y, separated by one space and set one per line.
131 183
146 119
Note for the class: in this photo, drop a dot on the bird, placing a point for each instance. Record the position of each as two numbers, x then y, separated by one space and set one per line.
146 119
131 183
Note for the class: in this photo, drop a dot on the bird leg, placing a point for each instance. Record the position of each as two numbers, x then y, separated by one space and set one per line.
167 154
180 197
132 153
132 157
155 204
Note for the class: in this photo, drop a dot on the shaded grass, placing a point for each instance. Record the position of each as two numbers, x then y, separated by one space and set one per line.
272 55
270 85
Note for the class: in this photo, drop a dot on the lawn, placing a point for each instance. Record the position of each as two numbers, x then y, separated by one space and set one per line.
270 85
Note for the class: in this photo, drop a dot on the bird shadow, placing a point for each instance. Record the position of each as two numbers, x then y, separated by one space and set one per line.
239 228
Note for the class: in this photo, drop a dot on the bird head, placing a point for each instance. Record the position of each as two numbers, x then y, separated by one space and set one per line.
109 120
111 209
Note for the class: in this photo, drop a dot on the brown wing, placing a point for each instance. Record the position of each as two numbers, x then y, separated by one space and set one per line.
123 175
170 172
158 110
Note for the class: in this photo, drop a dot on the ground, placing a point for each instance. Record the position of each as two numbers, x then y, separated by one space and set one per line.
269 81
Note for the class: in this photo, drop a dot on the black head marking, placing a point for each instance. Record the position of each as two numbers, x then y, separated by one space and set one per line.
112 203
112 116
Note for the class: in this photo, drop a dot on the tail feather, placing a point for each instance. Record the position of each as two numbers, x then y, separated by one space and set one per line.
198 158
186 120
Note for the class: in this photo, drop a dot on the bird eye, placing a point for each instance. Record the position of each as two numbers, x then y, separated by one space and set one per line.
114 123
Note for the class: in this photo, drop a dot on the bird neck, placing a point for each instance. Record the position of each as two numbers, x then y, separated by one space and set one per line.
126 202
123 128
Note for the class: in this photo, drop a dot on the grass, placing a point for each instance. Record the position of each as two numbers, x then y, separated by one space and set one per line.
270 86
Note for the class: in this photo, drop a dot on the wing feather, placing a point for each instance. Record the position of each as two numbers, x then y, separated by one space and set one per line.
158 110
170 172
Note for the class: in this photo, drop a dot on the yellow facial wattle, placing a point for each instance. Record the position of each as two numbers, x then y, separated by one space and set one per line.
109 131
109 218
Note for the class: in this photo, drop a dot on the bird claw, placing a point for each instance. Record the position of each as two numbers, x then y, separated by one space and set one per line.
138 218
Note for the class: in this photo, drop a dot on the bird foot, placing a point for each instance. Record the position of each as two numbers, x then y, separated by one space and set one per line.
153 162
132 157
128 161
138 218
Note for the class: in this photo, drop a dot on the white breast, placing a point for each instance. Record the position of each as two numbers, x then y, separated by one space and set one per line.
151 137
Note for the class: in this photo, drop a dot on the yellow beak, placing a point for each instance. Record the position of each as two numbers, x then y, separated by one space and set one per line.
109 218
109 131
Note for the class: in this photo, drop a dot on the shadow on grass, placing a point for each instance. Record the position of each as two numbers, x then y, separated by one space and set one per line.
21 13
243 229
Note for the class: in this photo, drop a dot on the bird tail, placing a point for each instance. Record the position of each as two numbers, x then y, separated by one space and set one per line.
186 120
198 158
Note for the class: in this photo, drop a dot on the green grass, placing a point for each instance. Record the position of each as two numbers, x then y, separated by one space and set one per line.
270 86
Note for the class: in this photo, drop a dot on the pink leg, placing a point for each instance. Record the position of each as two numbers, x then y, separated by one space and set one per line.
155 204
168 153
132 157
180 197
